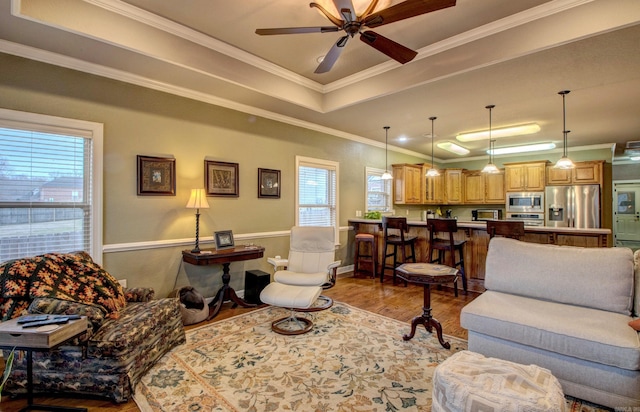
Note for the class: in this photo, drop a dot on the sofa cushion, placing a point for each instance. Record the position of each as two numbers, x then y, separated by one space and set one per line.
583 333
600 278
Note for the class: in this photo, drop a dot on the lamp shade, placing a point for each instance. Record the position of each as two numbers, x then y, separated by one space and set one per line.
198 199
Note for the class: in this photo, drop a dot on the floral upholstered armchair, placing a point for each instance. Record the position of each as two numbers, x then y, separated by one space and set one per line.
128 331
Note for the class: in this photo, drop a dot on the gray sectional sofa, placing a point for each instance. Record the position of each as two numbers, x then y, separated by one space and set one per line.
566 309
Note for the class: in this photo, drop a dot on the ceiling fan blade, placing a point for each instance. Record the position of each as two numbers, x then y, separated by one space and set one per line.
346 9
331 57
396 51
296 30
405 10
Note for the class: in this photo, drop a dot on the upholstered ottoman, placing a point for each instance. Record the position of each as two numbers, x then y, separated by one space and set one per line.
468 381
294 298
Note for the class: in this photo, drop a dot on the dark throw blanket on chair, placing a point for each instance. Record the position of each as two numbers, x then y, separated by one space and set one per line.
71 276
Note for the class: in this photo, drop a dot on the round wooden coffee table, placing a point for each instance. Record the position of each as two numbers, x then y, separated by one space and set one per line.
427 274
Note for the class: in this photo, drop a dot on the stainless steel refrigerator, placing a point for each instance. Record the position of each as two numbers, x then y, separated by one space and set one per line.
572 206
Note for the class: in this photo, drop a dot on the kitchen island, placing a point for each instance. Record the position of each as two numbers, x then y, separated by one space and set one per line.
475 233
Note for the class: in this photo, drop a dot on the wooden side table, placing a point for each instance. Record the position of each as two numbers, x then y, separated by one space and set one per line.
43 338
427 274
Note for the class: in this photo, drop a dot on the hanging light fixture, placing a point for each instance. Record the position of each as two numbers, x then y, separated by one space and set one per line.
564 162
386 175
433 171
490 167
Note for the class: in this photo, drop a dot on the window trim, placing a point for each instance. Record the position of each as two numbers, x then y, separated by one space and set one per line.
376 171
72 127
320 163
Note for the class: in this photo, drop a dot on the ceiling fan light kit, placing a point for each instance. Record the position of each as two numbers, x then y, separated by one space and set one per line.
564 162
352 23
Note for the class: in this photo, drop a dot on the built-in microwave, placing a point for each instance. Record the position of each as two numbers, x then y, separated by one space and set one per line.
486 214
525 202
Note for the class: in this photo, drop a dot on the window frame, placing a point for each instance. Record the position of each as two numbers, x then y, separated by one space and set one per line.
13 119
374 171
320 164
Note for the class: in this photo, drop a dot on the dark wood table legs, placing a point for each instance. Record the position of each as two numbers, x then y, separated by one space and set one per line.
225 293
427 320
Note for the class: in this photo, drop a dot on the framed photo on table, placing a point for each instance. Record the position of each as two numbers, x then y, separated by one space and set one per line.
269 183
221 179
224 239
156 176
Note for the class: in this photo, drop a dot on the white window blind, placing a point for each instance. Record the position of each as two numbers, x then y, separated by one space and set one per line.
317 192
378 191
46 191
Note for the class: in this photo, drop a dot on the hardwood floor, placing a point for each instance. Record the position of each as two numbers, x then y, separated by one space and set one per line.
398 302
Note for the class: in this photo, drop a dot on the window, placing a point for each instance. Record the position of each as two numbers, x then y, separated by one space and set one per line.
378 196
317 192
50 185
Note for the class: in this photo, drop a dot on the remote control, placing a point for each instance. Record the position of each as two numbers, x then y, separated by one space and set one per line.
61 319
32 318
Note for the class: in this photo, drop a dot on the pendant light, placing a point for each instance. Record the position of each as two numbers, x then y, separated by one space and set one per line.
490 167
433 171
564 162
386 175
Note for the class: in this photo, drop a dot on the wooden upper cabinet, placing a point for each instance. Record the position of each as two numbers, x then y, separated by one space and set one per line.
407 184
453 186
529 176
474 187
494 188
433 187
584 173
483 188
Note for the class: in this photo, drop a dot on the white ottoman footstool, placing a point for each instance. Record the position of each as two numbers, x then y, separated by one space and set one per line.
290 297
469 381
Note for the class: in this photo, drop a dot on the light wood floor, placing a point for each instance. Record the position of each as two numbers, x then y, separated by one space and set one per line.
398 302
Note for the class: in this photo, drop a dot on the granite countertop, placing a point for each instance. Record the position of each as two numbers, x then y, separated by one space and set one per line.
465 224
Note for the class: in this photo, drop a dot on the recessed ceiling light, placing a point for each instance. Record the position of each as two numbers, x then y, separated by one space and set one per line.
634 158
402 138
518 130
319 59
522 149
453 148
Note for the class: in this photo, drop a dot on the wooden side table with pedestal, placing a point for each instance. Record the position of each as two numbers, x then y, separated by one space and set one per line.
42 338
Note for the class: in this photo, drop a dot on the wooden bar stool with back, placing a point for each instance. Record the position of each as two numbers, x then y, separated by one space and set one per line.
507 228
447 244
395 232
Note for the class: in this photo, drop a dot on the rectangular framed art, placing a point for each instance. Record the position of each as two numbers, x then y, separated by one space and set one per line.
223 239
156 176
269 183
221 179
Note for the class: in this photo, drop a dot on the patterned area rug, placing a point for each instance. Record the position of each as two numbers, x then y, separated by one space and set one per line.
352 360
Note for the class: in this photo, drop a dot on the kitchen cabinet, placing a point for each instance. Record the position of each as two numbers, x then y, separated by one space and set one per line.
407 184
526 176
483 188
589 172
433 187
453 186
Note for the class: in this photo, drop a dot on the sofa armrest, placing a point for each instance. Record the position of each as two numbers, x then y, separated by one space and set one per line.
139 294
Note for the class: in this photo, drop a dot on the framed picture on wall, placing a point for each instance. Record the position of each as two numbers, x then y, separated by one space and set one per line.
223 239
269 183
221 179
156 176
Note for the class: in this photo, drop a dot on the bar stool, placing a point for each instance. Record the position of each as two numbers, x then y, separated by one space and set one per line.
448 227
399 239
513 229
370 253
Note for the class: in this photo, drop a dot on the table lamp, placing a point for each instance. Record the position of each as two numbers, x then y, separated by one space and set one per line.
197 201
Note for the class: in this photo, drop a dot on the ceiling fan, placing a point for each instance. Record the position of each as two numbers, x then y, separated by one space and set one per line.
351 24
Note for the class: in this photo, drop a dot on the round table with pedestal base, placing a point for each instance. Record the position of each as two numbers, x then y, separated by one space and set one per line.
427 274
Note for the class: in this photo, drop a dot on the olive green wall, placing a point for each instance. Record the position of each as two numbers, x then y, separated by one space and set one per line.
144 235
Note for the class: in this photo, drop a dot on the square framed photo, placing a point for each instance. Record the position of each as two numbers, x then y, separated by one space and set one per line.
269 183
221 179
223 239
156 176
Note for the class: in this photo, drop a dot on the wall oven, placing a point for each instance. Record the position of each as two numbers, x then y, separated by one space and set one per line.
525 202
